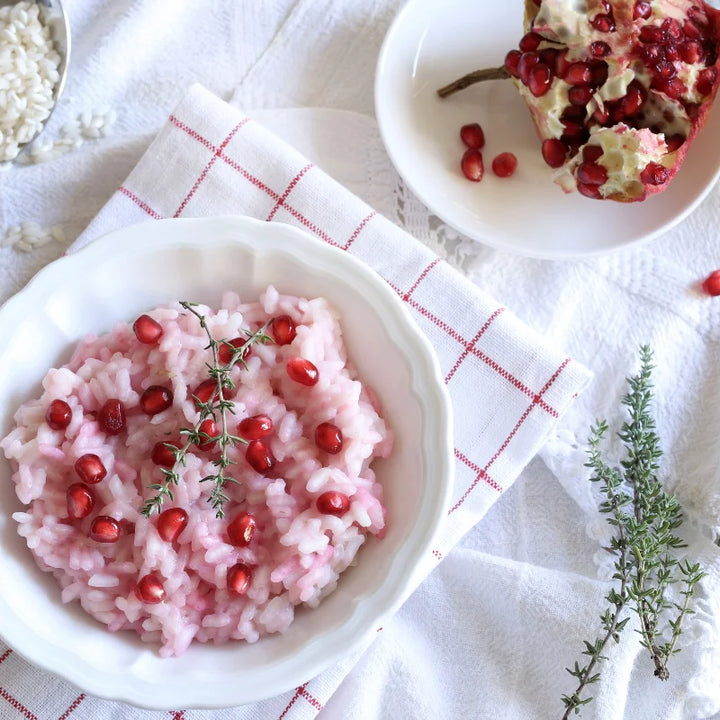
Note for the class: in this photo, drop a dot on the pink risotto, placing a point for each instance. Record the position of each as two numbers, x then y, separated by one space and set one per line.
191 493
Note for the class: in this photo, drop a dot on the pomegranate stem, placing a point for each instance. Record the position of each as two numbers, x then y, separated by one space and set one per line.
498 73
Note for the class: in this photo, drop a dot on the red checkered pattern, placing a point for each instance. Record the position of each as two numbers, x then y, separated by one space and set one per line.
508 387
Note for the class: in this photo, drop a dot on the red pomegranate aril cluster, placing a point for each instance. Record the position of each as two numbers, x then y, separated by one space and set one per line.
105 529
259 457
302 371
150 590
80 501
473 136
163 455
238 579
283 329
333 503
58 415
171 523
208 427
111 416
242 529
156 399
255 427
329 437
147 330
711 284
90 469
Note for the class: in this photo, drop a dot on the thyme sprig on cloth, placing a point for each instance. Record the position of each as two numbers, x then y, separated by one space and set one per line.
644 518
218 406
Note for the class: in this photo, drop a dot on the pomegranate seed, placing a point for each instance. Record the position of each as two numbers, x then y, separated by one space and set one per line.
259 457
333 503
697 16
706 81
530 42
80 501
505 164
540 80
642 10
549 57
472 135
578 73
599 72
241 530
511 62
592 153
599 49
672 28
654 174
562 63
303 371
573 130
472 165
238 579
111 417
691 52
205 391
692 31
105 529
209 428
603 23
58 415
147 330
163 455
635 97
591 191
652 54
672 54
526 63
711 284
573 113
672 87
225 352
601 116
156 399
329 437
592 174
171 523
652 34
665 69
255 427
580 94
554 152
674 142
90 469
150 590
283 328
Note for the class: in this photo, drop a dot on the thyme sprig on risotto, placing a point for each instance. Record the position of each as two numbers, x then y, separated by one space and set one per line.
217 406
644 517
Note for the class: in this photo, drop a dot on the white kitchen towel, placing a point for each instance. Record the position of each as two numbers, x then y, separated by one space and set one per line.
508 387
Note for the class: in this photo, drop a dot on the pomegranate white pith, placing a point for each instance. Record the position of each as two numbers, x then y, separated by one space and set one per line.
631 79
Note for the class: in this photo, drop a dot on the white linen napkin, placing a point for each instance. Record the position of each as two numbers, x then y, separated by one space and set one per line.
507 385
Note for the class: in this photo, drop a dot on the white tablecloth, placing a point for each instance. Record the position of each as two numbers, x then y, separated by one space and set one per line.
489 632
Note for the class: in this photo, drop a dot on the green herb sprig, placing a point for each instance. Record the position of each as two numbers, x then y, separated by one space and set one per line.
217 406
644 518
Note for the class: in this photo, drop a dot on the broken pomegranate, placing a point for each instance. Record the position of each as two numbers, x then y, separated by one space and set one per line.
633 81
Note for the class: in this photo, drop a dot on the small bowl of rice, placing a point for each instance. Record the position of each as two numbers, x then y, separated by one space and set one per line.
338 442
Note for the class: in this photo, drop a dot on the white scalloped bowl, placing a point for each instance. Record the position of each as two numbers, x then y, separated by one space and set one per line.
128 271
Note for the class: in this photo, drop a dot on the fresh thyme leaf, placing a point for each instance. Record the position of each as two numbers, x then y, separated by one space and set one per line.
644 518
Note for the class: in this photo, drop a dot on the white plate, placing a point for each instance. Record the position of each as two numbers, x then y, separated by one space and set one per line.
131 270
432 43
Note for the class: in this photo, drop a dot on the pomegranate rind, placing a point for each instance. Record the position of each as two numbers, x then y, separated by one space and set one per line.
630 142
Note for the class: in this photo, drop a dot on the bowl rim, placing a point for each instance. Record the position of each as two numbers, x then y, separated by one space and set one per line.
261 238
